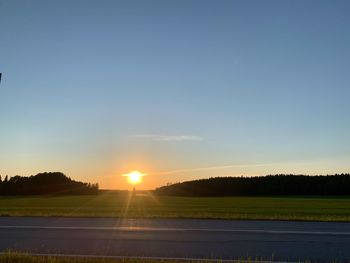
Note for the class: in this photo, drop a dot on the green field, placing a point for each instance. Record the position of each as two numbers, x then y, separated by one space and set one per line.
114 204
13 257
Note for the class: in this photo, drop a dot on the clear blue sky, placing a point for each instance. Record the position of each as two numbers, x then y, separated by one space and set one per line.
177 89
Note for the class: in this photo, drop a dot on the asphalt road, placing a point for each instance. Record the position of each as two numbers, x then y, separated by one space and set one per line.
178 238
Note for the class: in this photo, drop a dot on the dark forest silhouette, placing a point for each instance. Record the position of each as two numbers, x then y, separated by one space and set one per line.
43 184
281 184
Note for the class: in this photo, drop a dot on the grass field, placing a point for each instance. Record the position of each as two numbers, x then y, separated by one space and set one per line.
13 257
113 204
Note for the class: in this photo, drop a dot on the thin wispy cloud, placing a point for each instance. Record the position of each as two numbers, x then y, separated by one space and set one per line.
210 168
175 138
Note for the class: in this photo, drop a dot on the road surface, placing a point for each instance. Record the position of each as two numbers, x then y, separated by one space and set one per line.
177 238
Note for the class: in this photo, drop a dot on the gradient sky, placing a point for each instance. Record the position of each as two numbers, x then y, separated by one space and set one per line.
177 89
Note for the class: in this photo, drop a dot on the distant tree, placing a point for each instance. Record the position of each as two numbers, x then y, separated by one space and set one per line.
280 184
45 183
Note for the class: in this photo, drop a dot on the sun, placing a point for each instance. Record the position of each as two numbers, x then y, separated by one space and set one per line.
134 177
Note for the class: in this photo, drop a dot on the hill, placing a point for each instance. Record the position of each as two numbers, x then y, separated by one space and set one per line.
338 184
43 184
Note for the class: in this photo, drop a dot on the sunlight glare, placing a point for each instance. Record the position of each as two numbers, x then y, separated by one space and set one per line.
134 177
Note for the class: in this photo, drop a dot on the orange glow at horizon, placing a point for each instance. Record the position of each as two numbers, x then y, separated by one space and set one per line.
134 177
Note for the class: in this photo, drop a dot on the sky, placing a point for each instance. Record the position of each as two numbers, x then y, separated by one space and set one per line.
177 89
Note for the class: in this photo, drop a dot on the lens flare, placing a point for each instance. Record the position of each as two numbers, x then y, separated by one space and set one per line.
134 177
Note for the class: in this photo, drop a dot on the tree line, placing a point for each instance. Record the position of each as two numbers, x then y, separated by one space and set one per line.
43 184
280 184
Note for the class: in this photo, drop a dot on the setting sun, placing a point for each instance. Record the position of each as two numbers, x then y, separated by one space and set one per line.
134 177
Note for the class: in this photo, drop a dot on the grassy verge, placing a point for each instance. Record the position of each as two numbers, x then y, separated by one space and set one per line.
112 204
13 257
